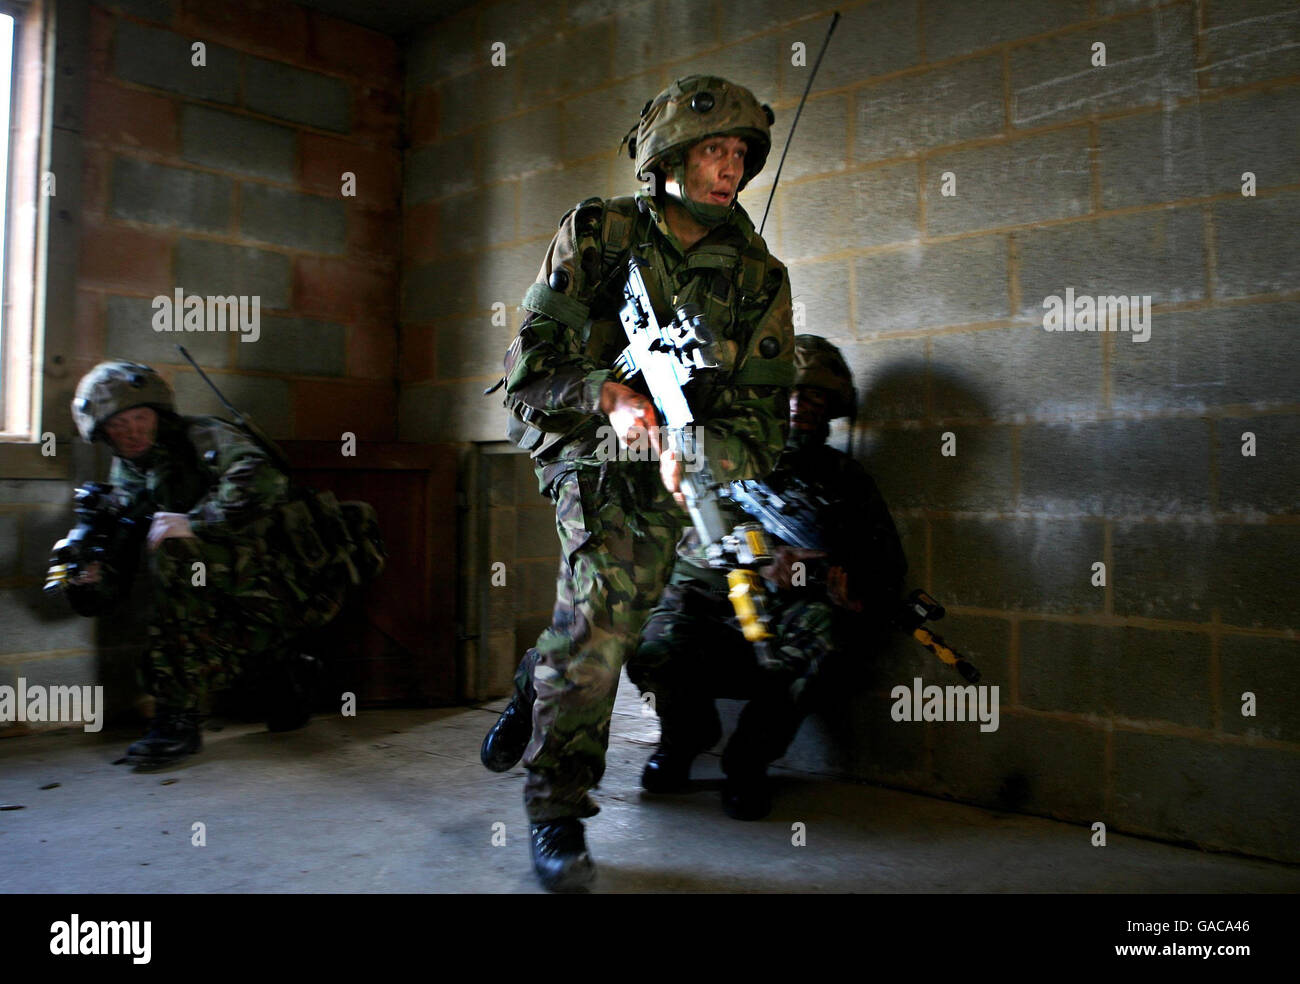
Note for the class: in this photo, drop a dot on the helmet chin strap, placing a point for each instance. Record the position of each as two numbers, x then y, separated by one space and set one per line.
709 216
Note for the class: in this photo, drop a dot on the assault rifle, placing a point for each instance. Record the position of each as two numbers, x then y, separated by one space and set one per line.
109 532
791 515
795 516
668 356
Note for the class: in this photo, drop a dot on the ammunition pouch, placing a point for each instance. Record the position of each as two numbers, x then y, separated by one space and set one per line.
323 532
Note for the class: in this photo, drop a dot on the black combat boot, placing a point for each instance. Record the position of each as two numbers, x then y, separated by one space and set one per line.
746 794
505 743
766 727
290 694
172 735
684 736
560 856
668 770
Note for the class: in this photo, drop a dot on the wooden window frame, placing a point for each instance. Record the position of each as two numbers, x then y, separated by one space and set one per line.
26 220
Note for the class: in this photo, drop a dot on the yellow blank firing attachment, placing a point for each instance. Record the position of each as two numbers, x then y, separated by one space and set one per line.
746 599
936 645
56 577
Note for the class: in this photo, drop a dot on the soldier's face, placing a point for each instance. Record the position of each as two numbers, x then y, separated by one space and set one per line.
132 432
807 408
714 167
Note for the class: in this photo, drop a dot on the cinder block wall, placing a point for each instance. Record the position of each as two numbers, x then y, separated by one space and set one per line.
227 179
221 179
1120 703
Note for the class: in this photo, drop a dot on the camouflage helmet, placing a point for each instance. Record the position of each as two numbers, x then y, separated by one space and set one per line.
691 109
819 363
114 386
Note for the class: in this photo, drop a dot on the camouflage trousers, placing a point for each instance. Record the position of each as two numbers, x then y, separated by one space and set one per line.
229 604
618 531
692 651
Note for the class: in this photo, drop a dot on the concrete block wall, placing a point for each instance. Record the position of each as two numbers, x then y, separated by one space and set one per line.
512 526
1120 703
497 155
228 179
224 179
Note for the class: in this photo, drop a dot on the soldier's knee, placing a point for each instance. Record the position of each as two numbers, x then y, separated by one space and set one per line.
813 620
639 666
647 660
665 636
656 627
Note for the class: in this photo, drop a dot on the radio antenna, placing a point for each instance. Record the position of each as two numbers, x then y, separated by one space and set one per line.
816 65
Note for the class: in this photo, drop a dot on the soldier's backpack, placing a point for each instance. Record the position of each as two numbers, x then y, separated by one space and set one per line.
322 531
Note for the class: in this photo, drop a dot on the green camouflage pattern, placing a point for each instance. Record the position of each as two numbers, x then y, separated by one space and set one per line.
254 600
692 651
819 363
114 386
673 121
276 560
556 368
866 541
617 526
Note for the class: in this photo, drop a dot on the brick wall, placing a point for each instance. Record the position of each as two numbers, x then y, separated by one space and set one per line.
1119 703
227 179
224 179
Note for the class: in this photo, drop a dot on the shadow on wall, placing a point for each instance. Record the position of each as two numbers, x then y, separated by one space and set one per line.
855 734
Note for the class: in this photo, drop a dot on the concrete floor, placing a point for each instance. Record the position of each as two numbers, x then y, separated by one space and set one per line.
396 801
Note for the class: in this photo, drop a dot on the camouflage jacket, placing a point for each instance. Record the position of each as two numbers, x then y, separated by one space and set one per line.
571 335
866 541
227 485
206 468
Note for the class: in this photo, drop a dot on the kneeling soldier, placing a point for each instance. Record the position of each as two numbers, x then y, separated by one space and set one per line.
239 562
830 608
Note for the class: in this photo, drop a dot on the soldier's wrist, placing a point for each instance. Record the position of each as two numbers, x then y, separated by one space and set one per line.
597 390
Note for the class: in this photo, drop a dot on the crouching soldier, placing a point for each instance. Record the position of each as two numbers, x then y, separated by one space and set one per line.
239 562
828 610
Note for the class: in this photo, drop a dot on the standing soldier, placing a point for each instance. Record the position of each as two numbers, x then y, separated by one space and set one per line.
239 563
828 611
700 142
